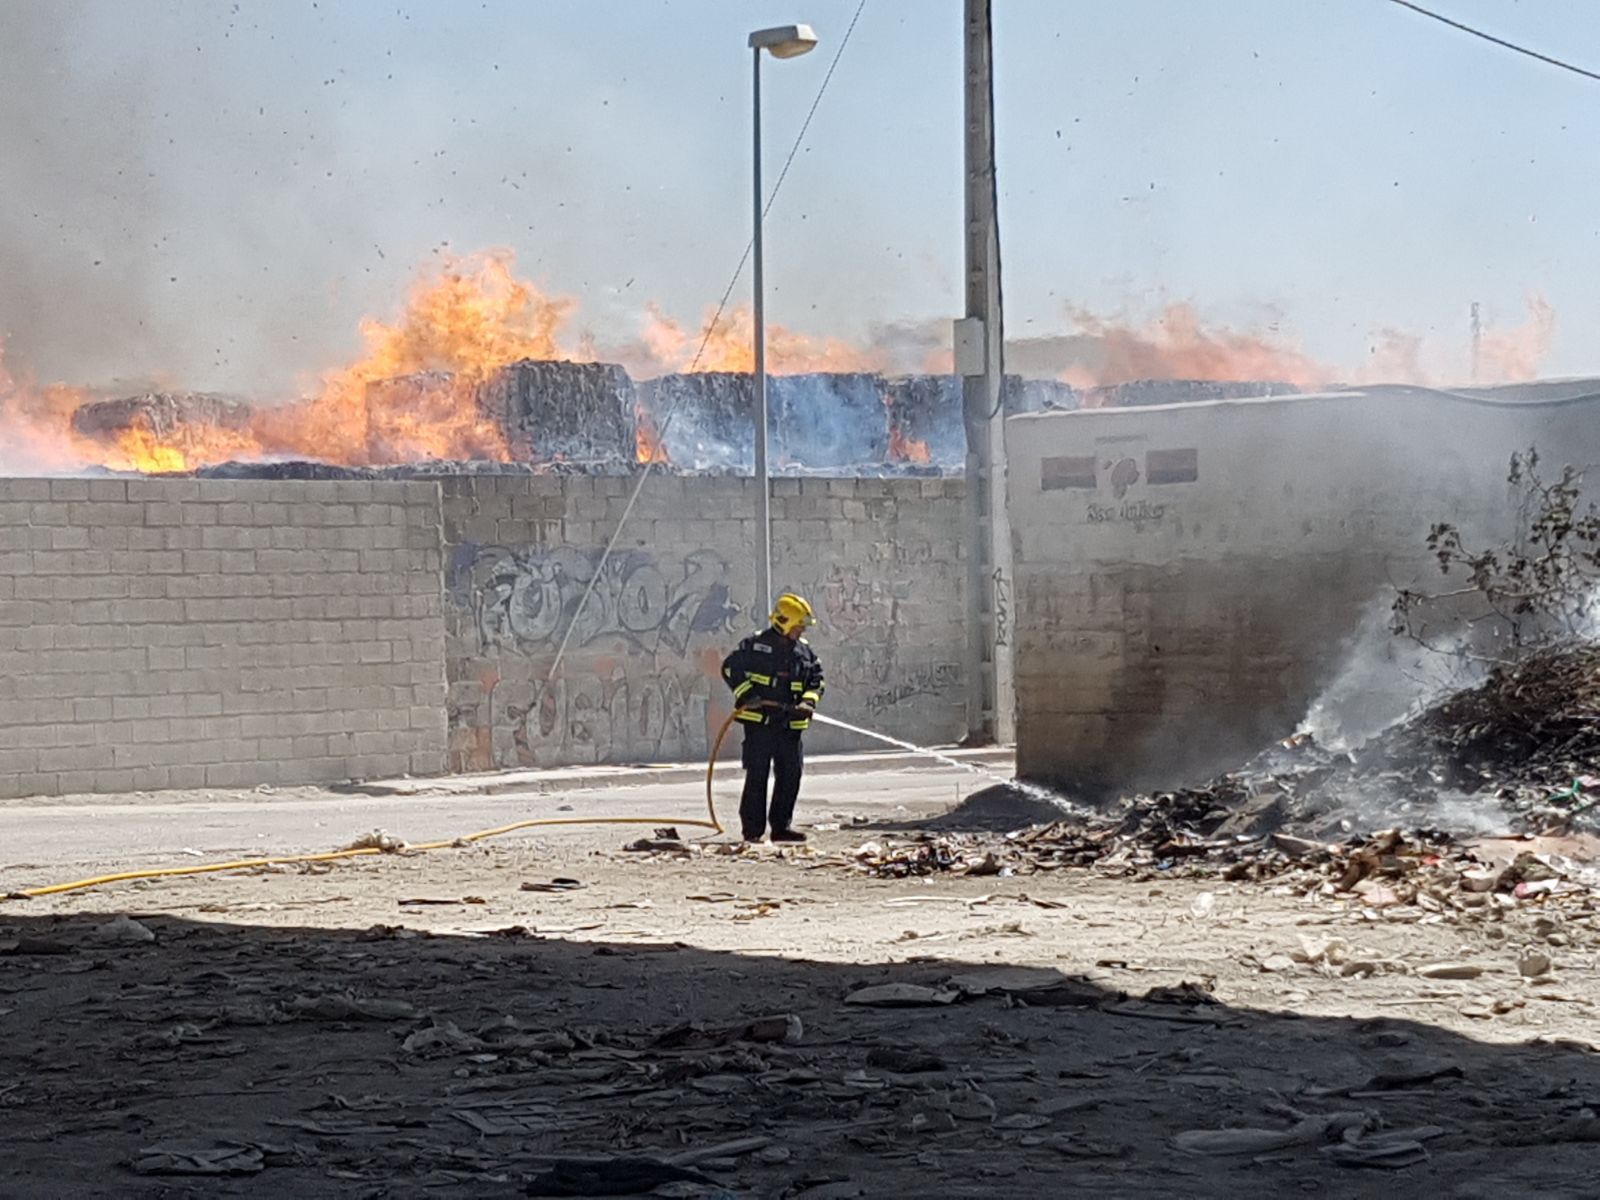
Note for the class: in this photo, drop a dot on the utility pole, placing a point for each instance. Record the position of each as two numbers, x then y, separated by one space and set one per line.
980 360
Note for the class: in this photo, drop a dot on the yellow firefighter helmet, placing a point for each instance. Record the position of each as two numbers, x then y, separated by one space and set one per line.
791 614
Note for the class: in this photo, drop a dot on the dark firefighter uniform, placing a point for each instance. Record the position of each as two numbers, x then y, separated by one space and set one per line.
777 683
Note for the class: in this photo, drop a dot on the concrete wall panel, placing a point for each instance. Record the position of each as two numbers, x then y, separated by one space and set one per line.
1189 577
174 634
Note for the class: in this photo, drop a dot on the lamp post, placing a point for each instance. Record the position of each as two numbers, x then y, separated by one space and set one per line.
782 41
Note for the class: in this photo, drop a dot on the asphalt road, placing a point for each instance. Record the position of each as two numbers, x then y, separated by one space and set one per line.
41 838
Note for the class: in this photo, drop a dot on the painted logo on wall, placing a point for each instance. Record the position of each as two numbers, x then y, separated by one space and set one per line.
1121 473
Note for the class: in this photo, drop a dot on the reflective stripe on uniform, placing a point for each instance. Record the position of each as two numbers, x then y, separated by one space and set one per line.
812 698
796 686
752 715
742 689
763 680
806 724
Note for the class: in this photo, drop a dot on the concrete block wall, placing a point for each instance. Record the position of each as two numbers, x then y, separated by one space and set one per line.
183 633
1190 578
881 560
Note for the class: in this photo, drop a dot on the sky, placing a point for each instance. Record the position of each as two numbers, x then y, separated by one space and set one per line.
215 193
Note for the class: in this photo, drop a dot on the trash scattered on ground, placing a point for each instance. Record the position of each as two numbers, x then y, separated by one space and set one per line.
223 1159
28 946
340 1007
123 930
904 1061
1394 874
786 1029
663 841
613 1177
901 995
1390 1150
426 901
1534 964
1308 1131
378 840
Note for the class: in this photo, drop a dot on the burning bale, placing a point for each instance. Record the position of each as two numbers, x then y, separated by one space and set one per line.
828 420
925 419
165 426
712 422
577 412
820 422
414 415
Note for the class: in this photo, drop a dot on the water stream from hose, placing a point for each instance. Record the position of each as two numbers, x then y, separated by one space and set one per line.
1032 790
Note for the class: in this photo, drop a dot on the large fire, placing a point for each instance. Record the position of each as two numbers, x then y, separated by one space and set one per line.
417 391
456 331
411 396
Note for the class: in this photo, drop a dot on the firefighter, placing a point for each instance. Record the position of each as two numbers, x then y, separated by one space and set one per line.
777 685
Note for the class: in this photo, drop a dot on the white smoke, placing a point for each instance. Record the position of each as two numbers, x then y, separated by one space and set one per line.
1385 679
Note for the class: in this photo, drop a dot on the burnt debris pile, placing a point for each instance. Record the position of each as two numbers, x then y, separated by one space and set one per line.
1527 729
1504 760
1515 752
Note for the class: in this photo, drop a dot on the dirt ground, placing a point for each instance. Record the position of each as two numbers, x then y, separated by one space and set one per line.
452 1024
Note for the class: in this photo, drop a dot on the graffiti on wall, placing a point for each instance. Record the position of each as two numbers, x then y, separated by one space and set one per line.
936 680
1002 608
523 601
640 713
856 602
640 680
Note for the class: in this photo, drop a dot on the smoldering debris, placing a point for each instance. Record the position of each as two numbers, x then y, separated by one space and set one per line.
1513 754
1510 758
998 809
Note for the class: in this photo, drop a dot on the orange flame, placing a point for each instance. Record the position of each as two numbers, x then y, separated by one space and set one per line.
669 347
414 394
648 447
418 390
36 431
1176 345
907 449
1515 355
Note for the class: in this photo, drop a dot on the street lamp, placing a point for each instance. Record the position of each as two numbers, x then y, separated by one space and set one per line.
781 41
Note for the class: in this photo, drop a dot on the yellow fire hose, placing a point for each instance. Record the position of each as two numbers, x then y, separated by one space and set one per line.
246 864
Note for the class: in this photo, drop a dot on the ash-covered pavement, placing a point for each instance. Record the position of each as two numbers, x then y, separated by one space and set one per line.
458 1023
45 837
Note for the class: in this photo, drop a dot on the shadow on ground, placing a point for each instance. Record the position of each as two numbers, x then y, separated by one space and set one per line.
242 1042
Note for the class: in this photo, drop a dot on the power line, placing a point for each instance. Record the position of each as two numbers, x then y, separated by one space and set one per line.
711 328
1489 37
